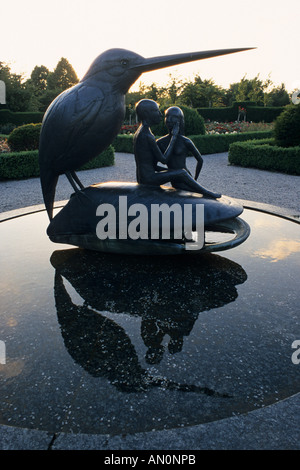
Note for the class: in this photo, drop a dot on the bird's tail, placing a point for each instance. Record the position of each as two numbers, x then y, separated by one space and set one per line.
48 183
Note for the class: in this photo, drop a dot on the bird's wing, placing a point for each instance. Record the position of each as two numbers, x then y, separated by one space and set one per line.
68 120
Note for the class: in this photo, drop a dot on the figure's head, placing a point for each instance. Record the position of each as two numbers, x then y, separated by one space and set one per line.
172 116
148 111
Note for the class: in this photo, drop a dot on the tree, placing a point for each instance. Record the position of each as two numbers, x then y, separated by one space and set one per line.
230 94
252 89
17 94
38 79
171 93
63 77
202 93
277 96
153 92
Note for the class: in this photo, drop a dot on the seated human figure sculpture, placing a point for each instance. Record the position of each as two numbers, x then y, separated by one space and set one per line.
171 151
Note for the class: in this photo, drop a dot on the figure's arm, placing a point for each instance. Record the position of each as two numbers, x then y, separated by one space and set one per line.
160 168
195 152
164 157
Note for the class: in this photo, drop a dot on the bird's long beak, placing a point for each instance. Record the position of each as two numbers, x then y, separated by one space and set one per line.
154 63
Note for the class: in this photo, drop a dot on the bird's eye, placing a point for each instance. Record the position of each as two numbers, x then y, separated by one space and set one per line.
124 62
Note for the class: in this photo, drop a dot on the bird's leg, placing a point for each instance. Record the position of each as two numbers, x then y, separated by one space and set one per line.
71 175
75 177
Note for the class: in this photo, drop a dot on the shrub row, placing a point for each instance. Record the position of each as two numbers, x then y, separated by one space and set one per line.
25 164
217 143
229 114
207 144
7 116
123 143
265 156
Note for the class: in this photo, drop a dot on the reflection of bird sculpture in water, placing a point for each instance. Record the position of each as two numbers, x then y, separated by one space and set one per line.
84 120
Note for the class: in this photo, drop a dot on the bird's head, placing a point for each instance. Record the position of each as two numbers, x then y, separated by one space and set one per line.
115 66
121 68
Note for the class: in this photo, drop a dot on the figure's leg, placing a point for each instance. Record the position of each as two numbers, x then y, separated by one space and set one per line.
180 185
182 180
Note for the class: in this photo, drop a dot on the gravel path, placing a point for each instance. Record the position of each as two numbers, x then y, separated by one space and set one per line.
243 183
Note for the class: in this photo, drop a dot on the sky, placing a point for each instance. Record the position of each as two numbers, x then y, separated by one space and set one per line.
38 32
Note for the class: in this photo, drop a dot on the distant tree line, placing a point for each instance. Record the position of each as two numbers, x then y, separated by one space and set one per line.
37 92
200 93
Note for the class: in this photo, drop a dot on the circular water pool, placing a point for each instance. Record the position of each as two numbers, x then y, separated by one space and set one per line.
104 343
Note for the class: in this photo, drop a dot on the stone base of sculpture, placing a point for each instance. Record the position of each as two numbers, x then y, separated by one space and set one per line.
116 205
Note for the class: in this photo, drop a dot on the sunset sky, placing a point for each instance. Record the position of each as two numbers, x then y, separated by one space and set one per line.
37 32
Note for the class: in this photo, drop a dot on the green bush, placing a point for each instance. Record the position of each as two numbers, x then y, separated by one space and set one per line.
287 127
193 122
25 164
265 156
25 138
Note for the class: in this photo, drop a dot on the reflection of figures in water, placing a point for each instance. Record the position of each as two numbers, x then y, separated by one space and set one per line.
148 154
154 330
182 148
167 298
103 349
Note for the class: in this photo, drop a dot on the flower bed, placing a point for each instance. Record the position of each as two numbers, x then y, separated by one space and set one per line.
236 127
128 128
4 147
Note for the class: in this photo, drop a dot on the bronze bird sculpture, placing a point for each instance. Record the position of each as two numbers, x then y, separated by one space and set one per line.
85 119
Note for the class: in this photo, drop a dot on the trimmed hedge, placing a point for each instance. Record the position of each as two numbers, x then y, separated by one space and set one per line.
217 143
123 143
17 118
20 165
254 113
265 156
106 158
207 144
